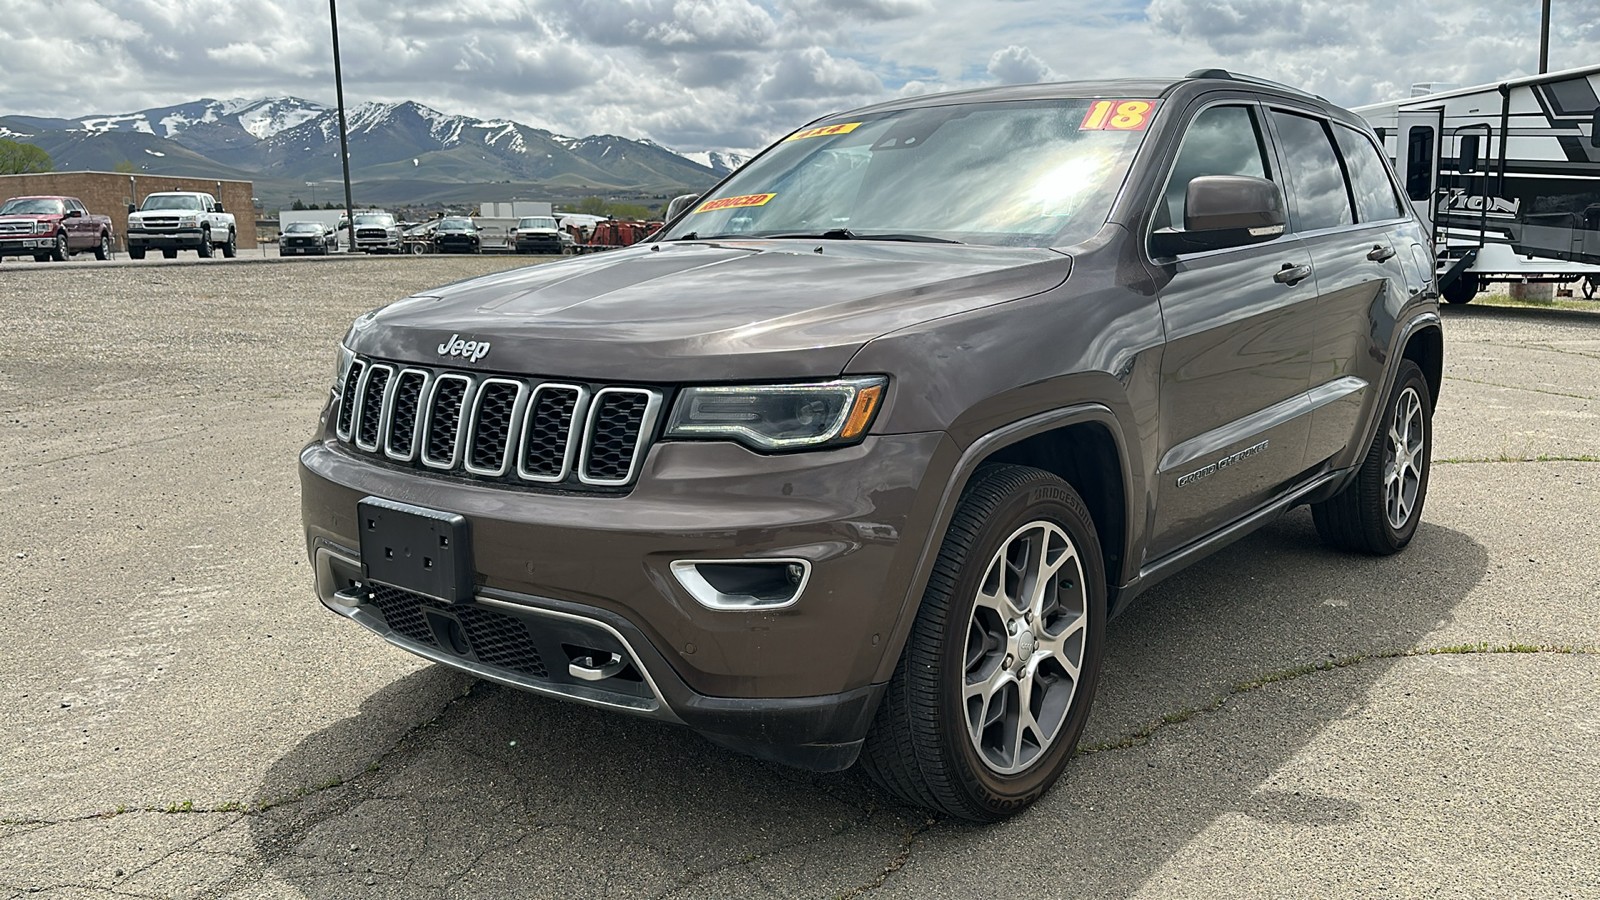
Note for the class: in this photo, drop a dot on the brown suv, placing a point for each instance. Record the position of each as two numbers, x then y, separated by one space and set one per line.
858 455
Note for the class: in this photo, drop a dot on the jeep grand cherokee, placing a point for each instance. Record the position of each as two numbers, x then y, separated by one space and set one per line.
858 455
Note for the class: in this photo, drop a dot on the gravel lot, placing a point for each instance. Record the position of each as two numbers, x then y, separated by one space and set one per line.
183 719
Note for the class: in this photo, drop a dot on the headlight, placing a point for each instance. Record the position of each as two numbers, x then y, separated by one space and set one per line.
188 220
780 416
42 227
342 368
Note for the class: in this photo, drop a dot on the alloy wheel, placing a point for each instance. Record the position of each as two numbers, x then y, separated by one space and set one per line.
1403 461
1024 647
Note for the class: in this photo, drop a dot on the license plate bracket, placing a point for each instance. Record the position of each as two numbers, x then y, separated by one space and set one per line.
417 549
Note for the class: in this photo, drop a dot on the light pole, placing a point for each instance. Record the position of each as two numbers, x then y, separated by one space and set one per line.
1544 38
344 140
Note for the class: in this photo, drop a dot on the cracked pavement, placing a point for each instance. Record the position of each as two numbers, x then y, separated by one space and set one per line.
182 719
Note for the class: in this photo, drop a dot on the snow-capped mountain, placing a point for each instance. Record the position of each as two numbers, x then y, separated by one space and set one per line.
291 140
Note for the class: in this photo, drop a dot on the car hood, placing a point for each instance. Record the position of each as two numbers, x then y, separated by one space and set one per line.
31 217
703 311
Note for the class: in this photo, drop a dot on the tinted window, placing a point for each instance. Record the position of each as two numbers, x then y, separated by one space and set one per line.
1369 178
1419 162
1222 140
1467 156
1322 199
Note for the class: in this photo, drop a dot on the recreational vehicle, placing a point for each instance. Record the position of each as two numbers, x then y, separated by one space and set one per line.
1507 175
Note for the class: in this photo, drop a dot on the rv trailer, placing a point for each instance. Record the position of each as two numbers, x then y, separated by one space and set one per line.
1507 176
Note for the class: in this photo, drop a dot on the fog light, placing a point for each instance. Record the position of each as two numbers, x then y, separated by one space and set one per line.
743 584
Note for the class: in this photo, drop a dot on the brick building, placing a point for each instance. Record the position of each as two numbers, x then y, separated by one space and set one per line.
109 193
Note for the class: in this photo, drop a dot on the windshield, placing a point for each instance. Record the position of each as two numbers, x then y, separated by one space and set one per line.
33 206
306 227
383 219
536 222
177 201
455 225
1027 173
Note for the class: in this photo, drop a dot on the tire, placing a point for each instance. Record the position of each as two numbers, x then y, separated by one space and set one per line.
169 253
102 250
928 744
205 249
60 252
1371 513
136 253
231 248
1462 290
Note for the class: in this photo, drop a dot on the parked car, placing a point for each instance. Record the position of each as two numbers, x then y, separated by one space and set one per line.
538 234
307 239
856 457
170 221
52 228
377 232
456 234
419 238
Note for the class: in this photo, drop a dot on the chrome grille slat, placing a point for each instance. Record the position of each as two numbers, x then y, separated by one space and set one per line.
521 430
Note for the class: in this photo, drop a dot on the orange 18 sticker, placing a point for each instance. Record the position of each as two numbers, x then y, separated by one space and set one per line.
1118 115
735 202
824 131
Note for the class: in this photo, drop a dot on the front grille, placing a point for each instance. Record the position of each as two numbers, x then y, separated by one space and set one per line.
495 638
16 228
514 430
371 234
163 222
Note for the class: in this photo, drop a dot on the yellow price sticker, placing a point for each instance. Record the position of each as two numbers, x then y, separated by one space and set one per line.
823 131
735 202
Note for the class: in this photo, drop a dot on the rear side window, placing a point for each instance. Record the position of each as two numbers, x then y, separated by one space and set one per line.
1322 199
1369 177
1222 140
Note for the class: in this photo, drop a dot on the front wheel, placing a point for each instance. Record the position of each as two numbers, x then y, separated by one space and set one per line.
59 252
1378 511
102 250
204 250
993 689
136 253
231 248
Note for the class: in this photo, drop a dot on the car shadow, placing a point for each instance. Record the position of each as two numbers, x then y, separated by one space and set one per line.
509 794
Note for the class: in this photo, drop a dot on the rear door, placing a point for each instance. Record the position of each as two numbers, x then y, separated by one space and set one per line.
1344 209
1234 373
1417 161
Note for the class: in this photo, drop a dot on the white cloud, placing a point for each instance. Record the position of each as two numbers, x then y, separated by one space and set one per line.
733 74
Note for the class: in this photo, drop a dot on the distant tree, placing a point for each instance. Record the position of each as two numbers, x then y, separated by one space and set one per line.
125 167
23 159
628 210
592 206
297 205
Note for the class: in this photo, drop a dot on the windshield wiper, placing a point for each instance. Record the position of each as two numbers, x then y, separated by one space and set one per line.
845 234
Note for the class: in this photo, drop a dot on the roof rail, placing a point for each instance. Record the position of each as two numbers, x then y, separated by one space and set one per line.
1225 75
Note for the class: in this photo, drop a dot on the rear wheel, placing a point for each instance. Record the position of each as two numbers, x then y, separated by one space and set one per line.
102 250
1378 511
994 686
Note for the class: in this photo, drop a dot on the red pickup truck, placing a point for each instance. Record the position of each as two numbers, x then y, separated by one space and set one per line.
52 228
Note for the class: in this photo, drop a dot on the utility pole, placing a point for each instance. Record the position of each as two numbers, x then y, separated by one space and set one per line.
344 139
1544 38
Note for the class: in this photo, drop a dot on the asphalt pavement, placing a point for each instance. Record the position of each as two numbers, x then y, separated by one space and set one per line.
183 719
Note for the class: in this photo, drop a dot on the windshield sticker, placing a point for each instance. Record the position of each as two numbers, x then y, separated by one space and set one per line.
735 202
824 131
1118 115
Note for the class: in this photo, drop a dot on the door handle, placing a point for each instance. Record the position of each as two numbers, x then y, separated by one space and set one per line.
1380 253
1292 274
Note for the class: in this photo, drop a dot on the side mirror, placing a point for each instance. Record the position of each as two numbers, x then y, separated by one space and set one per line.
1222 211
680 203
220 209
74 213
132 208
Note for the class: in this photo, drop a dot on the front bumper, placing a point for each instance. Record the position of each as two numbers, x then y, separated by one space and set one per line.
27 245
793 684
551 245
181 239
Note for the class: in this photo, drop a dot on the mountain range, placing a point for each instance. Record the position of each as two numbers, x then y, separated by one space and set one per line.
399 152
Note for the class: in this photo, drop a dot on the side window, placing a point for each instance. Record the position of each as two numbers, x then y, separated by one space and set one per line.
1322 199
73 204
1222 140
1369 177
1419 162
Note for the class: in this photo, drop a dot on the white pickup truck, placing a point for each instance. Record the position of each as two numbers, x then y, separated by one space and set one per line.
181 220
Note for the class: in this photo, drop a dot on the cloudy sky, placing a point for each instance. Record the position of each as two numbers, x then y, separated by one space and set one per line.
732 74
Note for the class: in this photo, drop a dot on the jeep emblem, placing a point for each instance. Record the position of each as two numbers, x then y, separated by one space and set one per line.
472 351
